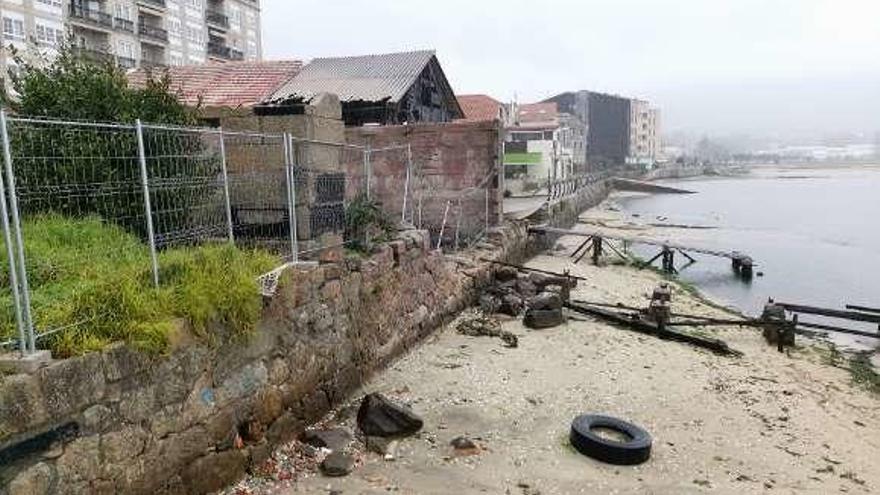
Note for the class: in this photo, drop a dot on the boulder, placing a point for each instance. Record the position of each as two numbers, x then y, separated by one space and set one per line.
511 305
379 417
546 300
337 464
506 274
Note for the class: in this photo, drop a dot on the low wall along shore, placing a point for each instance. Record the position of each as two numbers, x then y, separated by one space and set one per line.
121 422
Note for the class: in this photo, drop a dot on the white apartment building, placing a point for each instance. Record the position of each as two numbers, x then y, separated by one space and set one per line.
134 33
644 141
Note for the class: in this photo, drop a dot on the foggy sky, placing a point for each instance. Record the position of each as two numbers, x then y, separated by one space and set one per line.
752 66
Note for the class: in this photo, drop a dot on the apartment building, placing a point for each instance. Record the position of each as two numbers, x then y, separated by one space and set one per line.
134 33
644 141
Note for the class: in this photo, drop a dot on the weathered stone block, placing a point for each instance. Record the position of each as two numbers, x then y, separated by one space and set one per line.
120 446
36 480
81 460
120 361
21 404
72 384
332 291
215 471
285 428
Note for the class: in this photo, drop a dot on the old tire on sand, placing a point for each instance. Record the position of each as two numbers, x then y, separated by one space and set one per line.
543 318
635 450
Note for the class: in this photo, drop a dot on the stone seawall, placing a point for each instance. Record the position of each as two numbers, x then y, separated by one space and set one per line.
119 421
564 213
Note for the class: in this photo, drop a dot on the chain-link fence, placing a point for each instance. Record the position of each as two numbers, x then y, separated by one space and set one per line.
79 197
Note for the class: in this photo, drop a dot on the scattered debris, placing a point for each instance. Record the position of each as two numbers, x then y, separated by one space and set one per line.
381 417
335 439
475 323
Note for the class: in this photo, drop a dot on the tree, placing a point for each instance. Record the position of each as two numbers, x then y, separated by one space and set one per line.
79 169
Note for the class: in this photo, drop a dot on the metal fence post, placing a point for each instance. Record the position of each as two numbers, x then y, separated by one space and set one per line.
406 184
289 163
443 225
228 202
487 208
367 166
24 343
148 209
458 225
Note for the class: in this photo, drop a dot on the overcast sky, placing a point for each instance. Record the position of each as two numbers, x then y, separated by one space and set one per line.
714 66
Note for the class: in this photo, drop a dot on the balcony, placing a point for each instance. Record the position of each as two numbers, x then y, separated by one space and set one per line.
218 50
123 25
217 19
91 17
152 33
156 4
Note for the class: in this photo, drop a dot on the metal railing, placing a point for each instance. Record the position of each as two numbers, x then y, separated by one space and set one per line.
217 18
123 24
91 16
220 50
152 32
153 3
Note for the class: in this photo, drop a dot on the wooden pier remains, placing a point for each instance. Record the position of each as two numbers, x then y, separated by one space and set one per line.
597 241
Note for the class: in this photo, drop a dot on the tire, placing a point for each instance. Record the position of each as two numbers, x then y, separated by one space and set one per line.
634 451
537 319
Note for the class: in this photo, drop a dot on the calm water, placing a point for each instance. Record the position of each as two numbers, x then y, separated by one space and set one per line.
815 234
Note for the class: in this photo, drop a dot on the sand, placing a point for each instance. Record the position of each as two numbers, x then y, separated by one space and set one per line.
763 423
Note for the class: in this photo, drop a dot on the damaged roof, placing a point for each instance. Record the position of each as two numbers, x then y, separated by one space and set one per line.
226 84
384 77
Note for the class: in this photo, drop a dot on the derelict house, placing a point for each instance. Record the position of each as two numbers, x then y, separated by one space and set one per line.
388 89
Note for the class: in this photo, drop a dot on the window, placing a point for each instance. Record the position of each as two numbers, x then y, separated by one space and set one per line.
196 4
123 11
235 18
126 49
176 58
194 35
13 28
51 4
49 35
175 27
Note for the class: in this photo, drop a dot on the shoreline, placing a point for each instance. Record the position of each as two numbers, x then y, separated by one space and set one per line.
766 422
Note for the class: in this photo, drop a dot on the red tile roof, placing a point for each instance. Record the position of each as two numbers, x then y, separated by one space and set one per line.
537 115
478 108
229 84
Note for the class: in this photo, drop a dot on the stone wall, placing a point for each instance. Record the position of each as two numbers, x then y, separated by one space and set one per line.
447 159
120 421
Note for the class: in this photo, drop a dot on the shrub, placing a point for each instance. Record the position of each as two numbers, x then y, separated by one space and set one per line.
366 222
80 170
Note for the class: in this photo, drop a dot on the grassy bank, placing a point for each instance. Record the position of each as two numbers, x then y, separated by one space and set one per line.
95 279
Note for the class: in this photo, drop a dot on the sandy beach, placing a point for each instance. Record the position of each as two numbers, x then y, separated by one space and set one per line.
763 423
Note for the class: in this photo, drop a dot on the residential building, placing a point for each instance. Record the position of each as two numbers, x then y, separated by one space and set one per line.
538 147
482 108
606 121
387 89
644 142
134 33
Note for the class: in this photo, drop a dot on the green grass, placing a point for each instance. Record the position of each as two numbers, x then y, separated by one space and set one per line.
95 279
863 373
